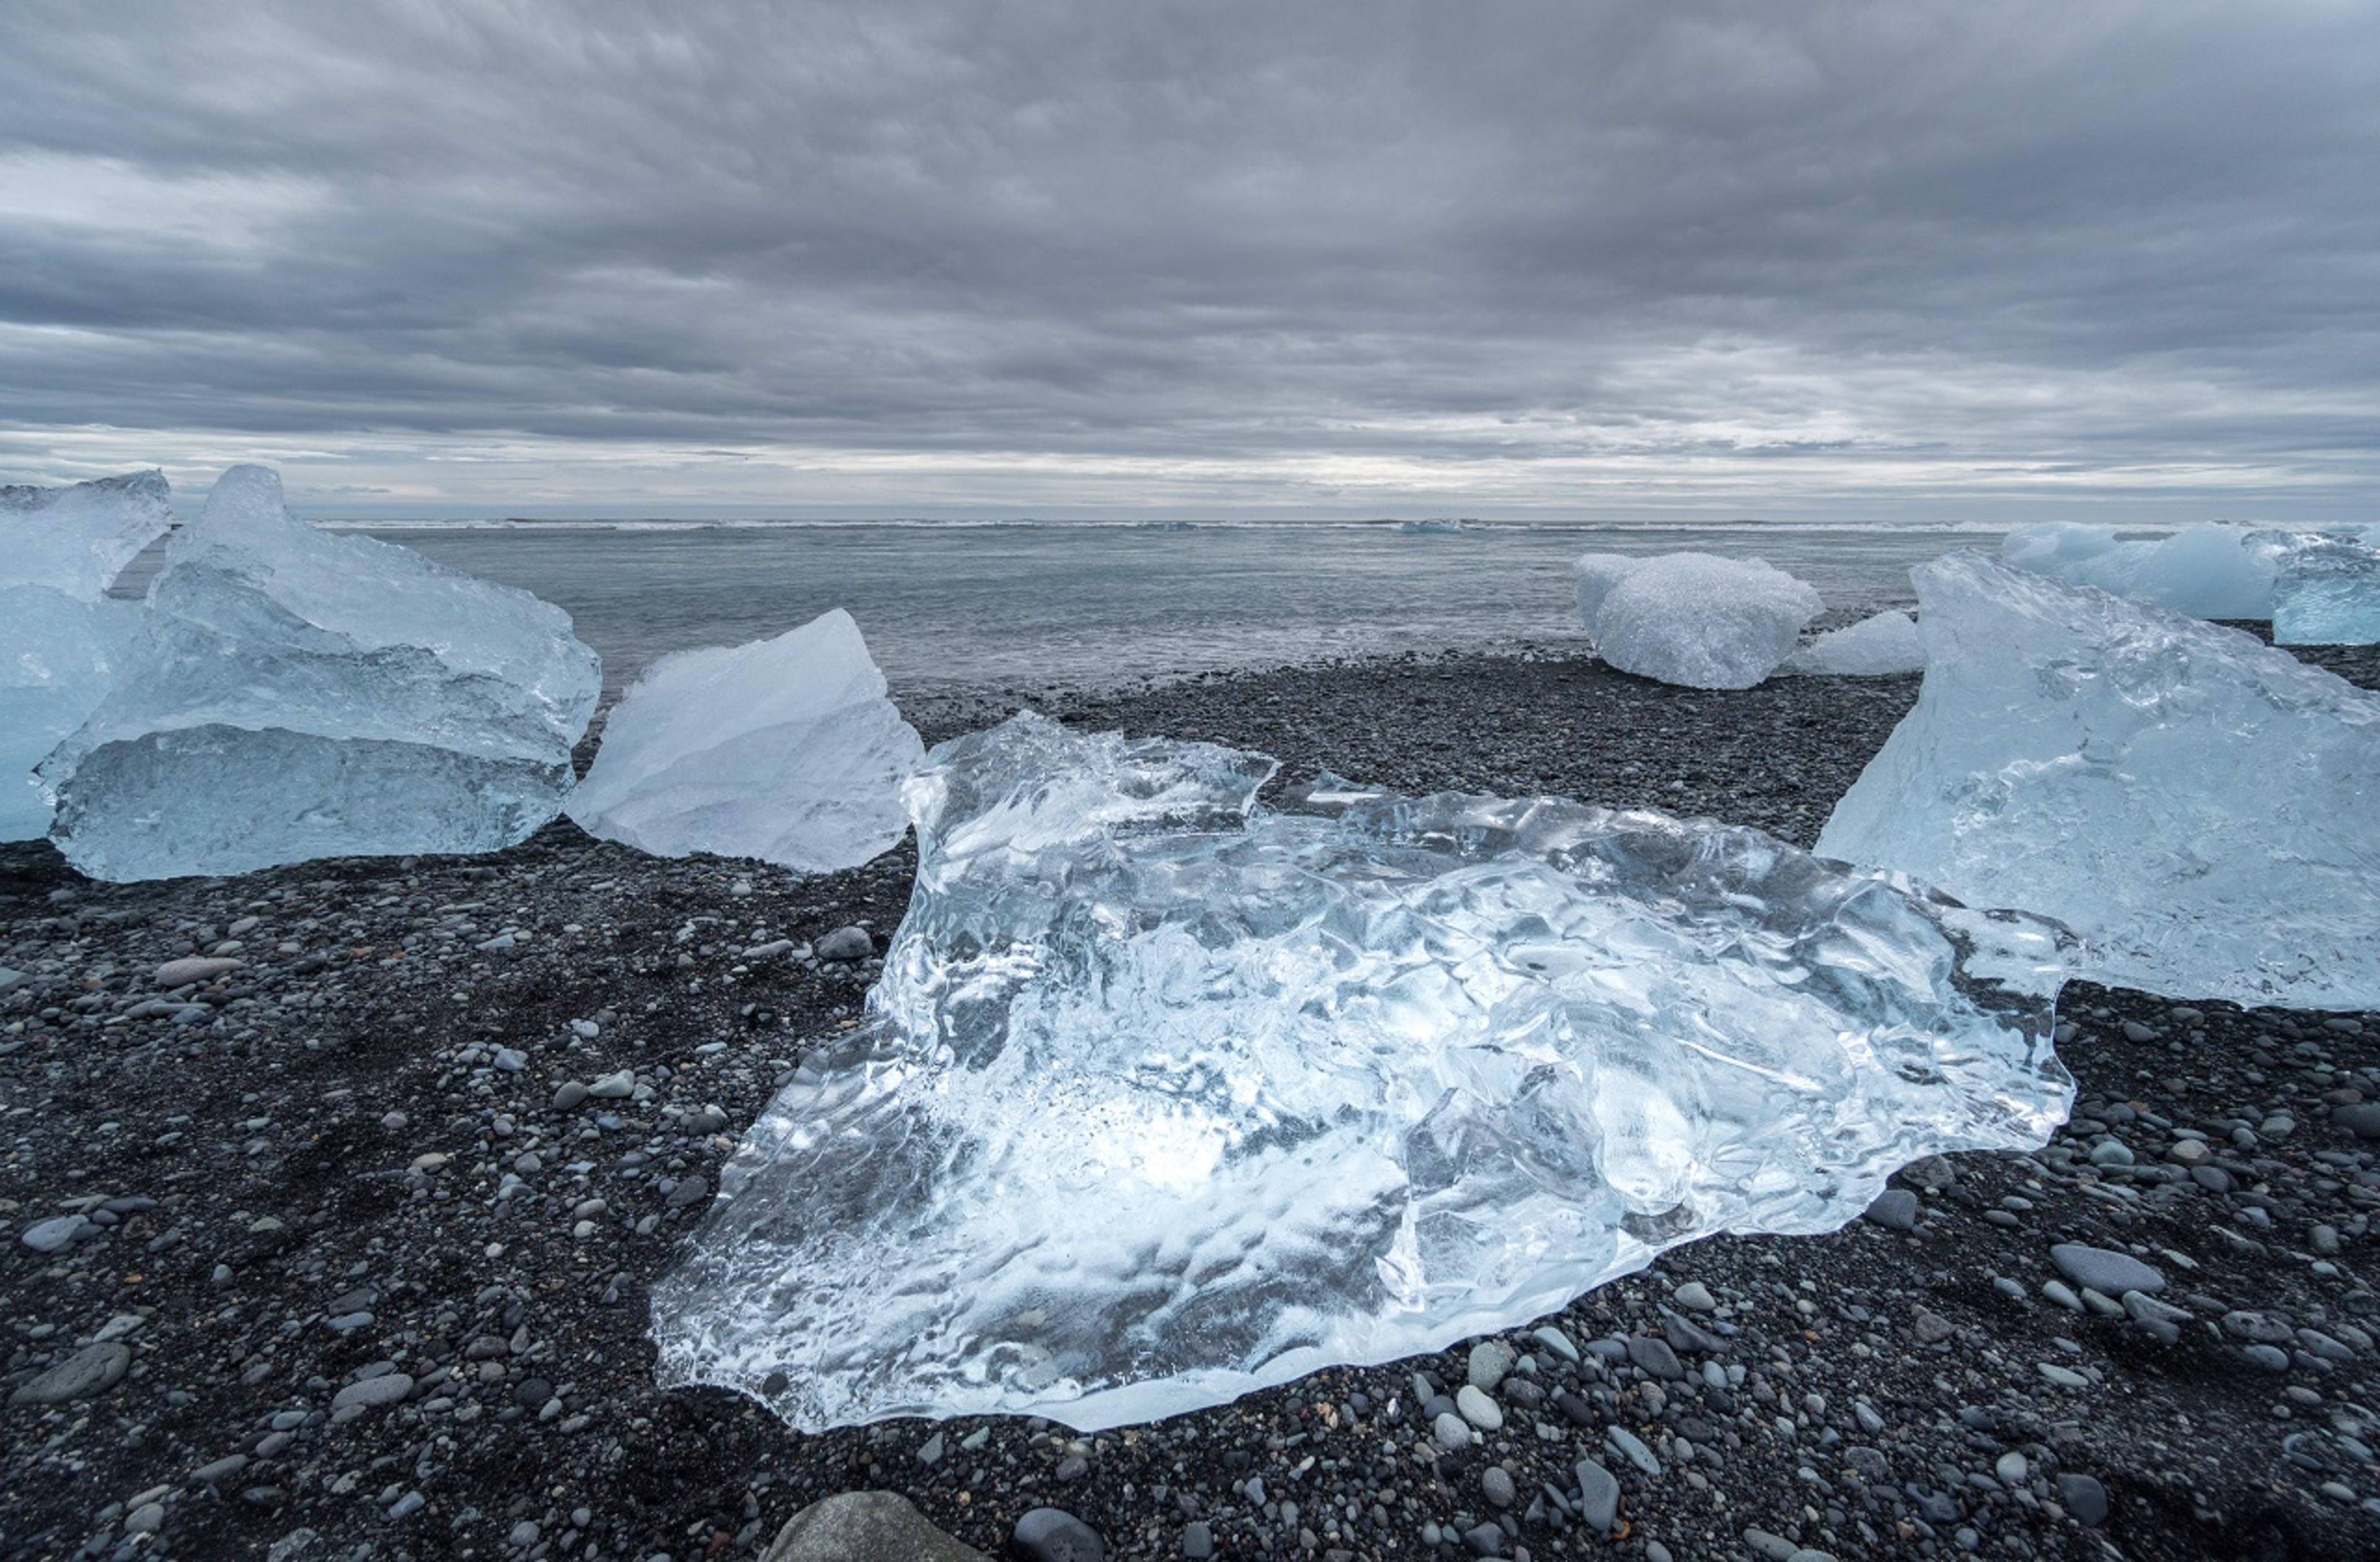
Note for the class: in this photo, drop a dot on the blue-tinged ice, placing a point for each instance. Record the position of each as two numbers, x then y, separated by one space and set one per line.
2202 808
296 694
1878 645
1693 618
2206 571
62 638
1163 1097
2327 589
787 749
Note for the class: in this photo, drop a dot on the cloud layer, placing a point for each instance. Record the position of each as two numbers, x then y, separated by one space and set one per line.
1906 258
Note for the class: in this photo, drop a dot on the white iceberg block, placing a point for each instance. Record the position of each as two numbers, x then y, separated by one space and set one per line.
785 750
2205 571
1594 574
1164 1099
1882 643
294 694
1701 620
78 539
2327 591
2195 804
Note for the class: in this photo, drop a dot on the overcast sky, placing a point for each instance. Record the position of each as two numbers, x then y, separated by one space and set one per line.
1909 259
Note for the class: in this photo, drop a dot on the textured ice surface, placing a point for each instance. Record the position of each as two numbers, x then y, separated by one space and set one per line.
1162 1099
783 749
296 694
2203 810
1700 619
1593 576
1884 643
62 641
58 656
2206 571
2327 588
76 539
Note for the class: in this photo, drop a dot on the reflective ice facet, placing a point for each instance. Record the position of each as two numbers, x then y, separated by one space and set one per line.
2205 571
76 539
2202 808
1882 643
2327 589
1163 1098
1699 619
785 750
296 694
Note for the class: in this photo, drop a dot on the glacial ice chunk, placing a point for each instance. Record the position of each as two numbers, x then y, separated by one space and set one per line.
2327 588
62 641
2198 806
2205 571
1163 1098
1594 574
296 694
785 750
1882 643
1699 619
76 539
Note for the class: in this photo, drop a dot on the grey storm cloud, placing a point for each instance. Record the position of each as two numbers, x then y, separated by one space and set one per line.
1908 249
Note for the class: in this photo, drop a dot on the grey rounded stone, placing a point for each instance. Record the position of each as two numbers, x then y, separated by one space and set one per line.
570 1095
1477 1409
94 1369
1598 1496
850 944
196 968
1496 1486
2111 1273
1895 1209
386 1389
56 1234
2084 1497
1452 1433
1051 1534
864 1527
1489 1361
2362 1119
1695 1297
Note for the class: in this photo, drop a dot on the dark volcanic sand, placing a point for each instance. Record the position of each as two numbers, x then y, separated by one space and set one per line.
300 1177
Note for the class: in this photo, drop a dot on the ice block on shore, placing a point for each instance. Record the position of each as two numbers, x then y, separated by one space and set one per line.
294 694
1697 619
62 640
2198 806
1163 1098
2203 572
787 749
2327 588
1880 645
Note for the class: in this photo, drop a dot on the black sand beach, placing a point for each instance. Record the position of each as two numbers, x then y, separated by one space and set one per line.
366 1155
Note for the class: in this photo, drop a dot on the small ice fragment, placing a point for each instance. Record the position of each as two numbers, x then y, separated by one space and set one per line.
1701 620
785 750
294 694
2195 804
1163 1098
1883 643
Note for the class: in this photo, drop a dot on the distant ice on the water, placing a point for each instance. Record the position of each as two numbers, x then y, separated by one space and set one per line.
1882 643
785 748
1163 1098
2195 803
294 694
2205 571
2327 588
62 638
1692 618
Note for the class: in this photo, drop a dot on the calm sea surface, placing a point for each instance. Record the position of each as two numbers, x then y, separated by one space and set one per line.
949 608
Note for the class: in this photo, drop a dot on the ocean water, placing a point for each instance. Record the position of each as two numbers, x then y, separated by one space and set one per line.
953 608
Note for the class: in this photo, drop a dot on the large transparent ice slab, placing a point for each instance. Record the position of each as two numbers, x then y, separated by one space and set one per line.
1163 1098
2328 587
1693 619
77 539
2198 806
785 750
2205 571
296 694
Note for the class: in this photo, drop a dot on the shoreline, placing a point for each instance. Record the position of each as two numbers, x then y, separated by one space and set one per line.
306 1176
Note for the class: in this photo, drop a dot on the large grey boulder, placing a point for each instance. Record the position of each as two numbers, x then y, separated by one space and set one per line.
864 1527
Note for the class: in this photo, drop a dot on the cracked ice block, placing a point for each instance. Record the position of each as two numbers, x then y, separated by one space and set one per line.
294 694
1163 1098
785 750
2327 590
1699 619
2199 807
1877 645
